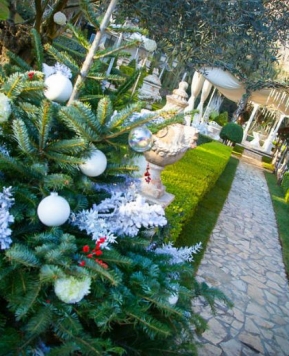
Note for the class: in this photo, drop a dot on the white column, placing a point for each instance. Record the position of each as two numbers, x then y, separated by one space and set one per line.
267 147
253 113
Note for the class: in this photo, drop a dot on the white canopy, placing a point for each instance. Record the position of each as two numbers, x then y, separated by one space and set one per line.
231 88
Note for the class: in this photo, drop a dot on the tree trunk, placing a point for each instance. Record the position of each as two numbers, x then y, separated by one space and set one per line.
241 106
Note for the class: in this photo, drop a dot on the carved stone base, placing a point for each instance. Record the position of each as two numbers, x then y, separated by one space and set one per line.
164 200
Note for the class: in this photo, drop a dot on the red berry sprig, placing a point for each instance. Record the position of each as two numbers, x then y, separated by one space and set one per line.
94 252
147 174
30 75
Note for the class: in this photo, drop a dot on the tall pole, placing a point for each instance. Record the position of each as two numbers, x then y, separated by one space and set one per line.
94 47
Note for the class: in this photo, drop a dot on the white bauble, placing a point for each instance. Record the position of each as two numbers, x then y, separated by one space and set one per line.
53 210
59 88
95 165
59 18
149 45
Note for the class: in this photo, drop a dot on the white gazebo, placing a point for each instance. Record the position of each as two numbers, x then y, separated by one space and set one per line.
273 99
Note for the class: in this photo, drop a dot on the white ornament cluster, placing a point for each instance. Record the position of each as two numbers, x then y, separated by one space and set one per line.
121 214
6 201
71 290
5 108
178 255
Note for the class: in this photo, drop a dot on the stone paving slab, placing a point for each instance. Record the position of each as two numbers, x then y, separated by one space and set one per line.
243 259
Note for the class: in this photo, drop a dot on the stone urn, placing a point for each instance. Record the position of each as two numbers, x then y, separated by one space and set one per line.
169 146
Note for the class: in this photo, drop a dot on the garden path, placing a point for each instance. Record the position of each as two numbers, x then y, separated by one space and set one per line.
243 259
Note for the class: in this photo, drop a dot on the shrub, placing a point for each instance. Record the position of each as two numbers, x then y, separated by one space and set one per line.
190 179
222 119
238 149
203 139
232 132
266 159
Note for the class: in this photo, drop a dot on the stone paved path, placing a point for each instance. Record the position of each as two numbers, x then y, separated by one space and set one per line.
243 259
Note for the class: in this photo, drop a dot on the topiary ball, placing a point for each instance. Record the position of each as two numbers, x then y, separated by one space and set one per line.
232 132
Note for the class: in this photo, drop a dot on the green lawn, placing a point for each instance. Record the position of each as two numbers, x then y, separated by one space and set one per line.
281 209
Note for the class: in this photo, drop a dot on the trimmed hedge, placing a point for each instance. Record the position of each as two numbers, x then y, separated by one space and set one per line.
190 179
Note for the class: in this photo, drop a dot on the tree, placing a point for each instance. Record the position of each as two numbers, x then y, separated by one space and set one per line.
99 281
243 37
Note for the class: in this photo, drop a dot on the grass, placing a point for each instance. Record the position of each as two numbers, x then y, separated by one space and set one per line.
281 209
199 228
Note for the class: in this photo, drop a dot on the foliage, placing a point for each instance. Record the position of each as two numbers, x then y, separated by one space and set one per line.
202 223
118 295
241 36
196 172
232 132
222 119
237 149
203 139
281 209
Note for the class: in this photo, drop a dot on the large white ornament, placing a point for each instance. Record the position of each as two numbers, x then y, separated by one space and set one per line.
59 88
53 210
95 165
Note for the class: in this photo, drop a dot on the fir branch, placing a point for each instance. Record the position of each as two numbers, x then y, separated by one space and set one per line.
123 116
63 57
72 146
13 85
106 275
18 60
79 117
44 123
90 10
38 49
68 326
62 160
104 111
123 88
149 325
22 137
33 88
50 273
57 181
28 300
30 110
81 39
85 98
19 253
39 323
9 164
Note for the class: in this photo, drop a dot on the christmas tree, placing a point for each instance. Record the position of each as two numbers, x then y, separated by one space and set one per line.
84 267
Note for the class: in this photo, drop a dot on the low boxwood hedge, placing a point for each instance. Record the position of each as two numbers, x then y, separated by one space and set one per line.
190 179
